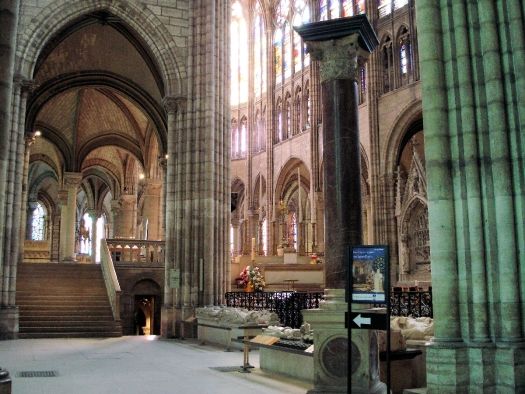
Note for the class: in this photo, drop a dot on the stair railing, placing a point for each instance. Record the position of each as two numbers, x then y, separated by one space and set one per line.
110 278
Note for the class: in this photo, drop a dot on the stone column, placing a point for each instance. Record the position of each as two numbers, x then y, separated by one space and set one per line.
152 207
8 28
115 216
337 45
127 217
68 231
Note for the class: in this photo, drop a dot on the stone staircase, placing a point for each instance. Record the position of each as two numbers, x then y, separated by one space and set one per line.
68 300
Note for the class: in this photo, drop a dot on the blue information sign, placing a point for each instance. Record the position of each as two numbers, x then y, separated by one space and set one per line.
369 278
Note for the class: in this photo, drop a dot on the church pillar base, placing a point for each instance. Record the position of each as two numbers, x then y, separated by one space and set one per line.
167 321
9 322
331 349
484 367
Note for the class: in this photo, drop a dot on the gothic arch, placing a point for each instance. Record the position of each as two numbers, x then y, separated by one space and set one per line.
280 183
141 20
407 117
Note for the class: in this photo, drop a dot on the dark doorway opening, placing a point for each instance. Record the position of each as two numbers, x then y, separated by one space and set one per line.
146 315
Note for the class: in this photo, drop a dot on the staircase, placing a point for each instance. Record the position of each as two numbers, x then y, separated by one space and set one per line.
63 300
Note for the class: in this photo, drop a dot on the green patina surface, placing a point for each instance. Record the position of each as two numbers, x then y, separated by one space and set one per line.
472 58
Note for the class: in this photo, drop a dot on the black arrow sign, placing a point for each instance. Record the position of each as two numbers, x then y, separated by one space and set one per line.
368 321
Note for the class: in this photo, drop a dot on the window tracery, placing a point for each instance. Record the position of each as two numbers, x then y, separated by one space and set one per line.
405 66
38 223
297 113
387 65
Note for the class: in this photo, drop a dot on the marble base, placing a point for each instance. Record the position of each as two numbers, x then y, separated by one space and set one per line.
9 322
210 332
331 343
298 366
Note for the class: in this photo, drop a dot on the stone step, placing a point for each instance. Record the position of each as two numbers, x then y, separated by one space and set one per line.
95 323
28 320
74 334
64 301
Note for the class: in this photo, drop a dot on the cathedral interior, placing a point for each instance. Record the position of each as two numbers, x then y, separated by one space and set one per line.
161 146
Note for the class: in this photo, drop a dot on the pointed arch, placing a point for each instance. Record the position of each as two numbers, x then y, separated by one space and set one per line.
153 34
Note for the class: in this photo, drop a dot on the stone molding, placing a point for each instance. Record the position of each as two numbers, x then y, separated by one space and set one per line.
174 104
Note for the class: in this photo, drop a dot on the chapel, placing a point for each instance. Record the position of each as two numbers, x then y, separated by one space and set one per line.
151 150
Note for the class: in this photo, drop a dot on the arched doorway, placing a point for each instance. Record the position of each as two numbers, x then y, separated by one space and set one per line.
147 305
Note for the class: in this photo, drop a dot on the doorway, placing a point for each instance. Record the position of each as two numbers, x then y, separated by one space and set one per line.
146 315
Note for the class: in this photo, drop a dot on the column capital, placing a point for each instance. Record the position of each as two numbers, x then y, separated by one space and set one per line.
94 213
339 59
341 45
72 178
174 104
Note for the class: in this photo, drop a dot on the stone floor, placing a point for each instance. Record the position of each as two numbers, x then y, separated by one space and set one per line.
137 364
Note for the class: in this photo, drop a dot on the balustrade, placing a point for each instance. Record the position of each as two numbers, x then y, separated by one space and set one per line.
136 251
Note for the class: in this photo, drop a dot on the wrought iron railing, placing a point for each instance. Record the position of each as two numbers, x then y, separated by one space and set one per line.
411 303
286 304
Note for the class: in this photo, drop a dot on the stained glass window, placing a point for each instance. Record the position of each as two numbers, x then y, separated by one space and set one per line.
360 6
259 48
405 65
297 114
287 56
348 8
85 234
38 223
238 59
334 9
324 10
288 114
278 54
384 7
301 16
403 59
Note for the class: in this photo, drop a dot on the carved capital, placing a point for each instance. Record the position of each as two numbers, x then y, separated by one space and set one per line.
339 58
174 104
72 179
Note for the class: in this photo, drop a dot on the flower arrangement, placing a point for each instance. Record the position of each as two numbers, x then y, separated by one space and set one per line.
251 276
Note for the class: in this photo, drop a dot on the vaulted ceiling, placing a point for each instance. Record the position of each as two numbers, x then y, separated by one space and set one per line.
97 103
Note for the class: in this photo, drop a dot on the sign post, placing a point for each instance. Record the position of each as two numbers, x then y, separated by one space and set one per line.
369 283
